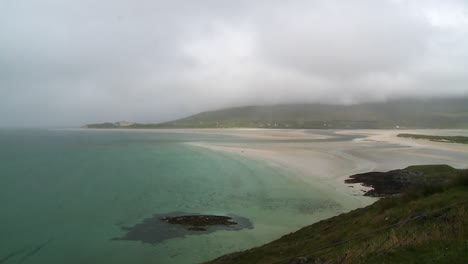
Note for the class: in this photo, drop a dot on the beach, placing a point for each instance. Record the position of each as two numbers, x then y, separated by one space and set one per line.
84 188
330 162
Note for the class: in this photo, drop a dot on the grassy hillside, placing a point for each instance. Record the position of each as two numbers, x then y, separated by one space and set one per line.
434 113
448 139
428 225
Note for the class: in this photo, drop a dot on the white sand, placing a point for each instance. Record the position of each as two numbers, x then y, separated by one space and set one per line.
252 133
329 163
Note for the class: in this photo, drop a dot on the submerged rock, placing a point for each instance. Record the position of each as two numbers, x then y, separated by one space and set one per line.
161 227
199 222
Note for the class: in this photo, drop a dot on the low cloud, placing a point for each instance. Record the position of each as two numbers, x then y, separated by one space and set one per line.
67 63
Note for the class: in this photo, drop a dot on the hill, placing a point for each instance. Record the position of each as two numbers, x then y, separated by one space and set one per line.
427 224
404 113
447 139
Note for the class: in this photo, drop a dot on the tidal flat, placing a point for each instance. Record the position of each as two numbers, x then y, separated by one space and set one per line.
67 193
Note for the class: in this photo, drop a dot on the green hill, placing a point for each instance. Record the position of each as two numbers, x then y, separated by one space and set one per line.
447 139
424 225
404 113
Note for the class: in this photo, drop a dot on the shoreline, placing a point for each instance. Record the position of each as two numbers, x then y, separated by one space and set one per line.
329 164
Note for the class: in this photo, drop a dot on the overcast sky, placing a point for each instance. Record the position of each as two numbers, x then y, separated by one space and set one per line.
69 62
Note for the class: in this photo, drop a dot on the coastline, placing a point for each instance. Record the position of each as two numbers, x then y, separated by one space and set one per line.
329 163
316 158
317 161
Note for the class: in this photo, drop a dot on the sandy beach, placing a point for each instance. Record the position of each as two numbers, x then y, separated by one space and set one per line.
326 162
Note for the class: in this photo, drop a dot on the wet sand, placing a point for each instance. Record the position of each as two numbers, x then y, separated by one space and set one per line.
329 162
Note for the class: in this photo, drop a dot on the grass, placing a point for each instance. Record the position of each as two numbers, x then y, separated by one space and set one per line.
448 139
436 170
430 237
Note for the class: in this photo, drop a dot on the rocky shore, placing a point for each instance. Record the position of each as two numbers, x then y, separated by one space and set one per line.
398 181
387 183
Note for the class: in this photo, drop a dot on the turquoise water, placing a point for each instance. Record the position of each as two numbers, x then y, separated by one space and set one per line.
65 194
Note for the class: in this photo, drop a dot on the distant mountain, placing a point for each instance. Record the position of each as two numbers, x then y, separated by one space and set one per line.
404 113
120 124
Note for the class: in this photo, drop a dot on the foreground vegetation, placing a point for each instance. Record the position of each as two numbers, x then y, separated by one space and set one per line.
434 113
448 139
426 225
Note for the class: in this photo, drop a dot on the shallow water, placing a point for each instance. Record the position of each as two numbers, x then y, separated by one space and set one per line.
66 194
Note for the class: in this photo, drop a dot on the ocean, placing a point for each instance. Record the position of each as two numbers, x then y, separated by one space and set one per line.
67 196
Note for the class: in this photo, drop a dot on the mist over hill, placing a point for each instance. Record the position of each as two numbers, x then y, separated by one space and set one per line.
403 113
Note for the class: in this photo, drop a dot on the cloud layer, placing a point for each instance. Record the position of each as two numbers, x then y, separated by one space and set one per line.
66 63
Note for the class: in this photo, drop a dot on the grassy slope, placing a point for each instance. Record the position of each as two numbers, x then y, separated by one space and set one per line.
450 139
439 237
434 113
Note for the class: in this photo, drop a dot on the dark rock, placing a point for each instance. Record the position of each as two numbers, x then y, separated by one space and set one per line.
388 183
199 221
161 227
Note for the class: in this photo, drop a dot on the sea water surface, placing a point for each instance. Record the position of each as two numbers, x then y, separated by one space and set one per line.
65 194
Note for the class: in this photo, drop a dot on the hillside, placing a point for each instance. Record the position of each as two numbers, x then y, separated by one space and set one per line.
407 113
424 225
447 139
